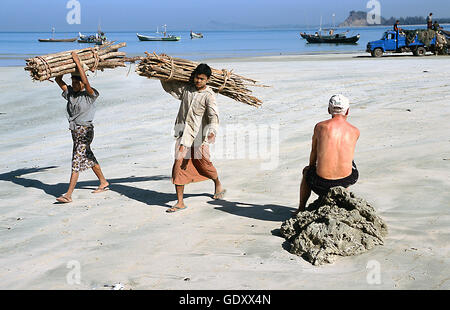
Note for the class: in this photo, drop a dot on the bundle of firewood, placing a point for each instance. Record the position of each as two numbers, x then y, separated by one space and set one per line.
43 68
224 82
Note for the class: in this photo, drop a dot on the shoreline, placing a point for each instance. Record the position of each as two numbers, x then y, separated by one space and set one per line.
230 58
292 57
242 45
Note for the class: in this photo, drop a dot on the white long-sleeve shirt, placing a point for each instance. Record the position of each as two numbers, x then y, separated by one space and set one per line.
198 115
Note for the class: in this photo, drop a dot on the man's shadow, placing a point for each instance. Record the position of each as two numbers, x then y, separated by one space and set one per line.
268 212
146 196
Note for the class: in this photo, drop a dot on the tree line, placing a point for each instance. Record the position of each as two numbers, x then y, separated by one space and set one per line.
410 20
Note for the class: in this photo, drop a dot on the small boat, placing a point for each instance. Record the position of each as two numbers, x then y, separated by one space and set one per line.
56 40
98 38
165 37
329 36
196 35
148 38
336 38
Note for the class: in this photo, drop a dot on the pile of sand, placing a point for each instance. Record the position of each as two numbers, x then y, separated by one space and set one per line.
339 224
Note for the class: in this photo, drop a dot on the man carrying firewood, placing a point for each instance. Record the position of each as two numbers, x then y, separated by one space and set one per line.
195 127
81 109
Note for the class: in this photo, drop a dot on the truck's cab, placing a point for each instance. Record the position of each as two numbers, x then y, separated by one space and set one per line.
391 41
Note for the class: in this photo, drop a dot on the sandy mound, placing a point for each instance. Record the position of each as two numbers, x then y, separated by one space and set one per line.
340 224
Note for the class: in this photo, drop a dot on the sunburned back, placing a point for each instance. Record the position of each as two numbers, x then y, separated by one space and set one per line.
336 140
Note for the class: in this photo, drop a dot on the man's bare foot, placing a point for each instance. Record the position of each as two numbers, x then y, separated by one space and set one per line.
64 199
103 187
177 207
219 194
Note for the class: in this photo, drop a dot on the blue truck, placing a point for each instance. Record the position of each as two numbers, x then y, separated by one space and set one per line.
396 42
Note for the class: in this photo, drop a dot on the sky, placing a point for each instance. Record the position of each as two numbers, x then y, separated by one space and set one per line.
139 15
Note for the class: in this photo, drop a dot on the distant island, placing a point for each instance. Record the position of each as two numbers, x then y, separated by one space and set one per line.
359 19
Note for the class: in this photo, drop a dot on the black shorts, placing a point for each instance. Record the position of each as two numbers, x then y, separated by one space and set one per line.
320 186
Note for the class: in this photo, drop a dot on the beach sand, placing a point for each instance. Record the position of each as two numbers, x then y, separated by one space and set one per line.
400 104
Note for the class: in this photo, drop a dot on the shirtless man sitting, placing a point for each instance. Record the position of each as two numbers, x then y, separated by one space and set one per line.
333 146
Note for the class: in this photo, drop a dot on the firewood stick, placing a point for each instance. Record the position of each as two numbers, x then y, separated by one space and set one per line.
85 59
44 67
225 82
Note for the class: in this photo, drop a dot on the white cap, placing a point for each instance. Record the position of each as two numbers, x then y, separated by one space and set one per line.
338 104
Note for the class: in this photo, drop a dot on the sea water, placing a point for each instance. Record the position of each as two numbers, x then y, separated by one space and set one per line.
15 47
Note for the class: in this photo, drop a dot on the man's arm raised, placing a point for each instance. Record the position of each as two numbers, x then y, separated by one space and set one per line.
84 78
61 83
172 87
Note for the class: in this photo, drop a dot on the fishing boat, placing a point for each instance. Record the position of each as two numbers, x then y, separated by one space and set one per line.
196 35
148 38
164 37
330 35
333 38
98 38
56 40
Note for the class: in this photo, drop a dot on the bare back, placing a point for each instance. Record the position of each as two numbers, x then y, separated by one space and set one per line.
334 143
